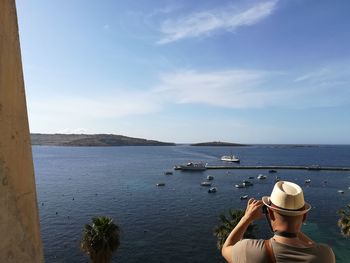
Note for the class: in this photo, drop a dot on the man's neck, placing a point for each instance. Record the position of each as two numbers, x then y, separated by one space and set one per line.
286 234
297 241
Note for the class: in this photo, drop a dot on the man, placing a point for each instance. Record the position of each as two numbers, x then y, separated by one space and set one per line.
286 211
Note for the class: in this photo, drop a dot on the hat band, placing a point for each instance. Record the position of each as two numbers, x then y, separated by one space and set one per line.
275 206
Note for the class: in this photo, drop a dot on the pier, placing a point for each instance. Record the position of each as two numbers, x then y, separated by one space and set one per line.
273 167
287 167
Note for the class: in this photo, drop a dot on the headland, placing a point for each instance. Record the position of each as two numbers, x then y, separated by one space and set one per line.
218 143
92 140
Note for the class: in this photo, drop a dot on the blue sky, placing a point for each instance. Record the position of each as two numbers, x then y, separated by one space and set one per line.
189 71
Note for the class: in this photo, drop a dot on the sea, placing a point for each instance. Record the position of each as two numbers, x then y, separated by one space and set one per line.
175 222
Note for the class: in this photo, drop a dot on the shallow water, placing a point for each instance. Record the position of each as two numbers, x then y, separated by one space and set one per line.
174 223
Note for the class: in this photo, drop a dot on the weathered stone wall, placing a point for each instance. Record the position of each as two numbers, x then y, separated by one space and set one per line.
19 221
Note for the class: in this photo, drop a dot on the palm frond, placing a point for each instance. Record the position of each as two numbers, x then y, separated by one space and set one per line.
228 223
100 239
344 221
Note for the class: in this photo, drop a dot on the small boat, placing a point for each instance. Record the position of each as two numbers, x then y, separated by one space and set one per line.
168 172
230 158
205 183
251 177
247 183
192 166
243 197
239 186
341 191
210 177
261 176
160 184
272 171
307 181
212 190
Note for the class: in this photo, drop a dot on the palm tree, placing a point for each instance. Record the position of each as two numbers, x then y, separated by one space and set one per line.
344 221
227 224
100 239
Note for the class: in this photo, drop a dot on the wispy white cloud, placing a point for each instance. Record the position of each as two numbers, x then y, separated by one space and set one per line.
205 22
247 89
323 87
228 89
314 75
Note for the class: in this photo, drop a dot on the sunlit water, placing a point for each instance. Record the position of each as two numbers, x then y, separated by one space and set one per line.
174 223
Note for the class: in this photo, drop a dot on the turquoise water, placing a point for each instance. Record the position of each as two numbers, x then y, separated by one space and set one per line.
174 223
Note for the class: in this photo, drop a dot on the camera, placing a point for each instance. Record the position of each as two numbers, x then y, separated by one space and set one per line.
265 212
264 209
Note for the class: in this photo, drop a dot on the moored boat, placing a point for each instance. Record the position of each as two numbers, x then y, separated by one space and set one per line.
160 184
210 177
261 177
244 197
205 183
230 158
192 166
212 190
247 183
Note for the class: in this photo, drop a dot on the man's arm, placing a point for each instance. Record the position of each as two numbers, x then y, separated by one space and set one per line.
252 212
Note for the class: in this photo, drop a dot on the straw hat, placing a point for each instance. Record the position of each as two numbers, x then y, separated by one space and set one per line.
287 199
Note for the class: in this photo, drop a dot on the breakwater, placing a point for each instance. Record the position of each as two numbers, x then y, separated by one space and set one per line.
279 167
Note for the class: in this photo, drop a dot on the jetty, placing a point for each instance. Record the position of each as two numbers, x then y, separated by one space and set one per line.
283 167
273 167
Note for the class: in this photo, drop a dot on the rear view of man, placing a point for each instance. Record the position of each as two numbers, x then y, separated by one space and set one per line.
286 211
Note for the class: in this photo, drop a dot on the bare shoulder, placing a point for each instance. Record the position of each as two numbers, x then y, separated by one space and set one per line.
249 250
255 244
326 252
324 247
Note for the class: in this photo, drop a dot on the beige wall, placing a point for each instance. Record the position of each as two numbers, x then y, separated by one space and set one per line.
19 222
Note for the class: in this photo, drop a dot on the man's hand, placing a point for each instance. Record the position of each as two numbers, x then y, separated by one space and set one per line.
254 210
252 213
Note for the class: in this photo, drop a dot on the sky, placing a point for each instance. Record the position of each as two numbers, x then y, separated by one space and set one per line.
268 71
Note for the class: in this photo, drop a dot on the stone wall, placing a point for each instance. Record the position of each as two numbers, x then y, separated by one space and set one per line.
19 221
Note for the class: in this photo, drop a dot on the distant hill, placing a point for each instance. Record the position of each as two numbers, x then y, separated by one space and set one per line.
218 144
92 140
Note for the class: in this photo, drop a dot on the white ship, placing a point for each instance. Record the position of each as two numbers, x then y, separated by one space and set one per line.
230 158
191 166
